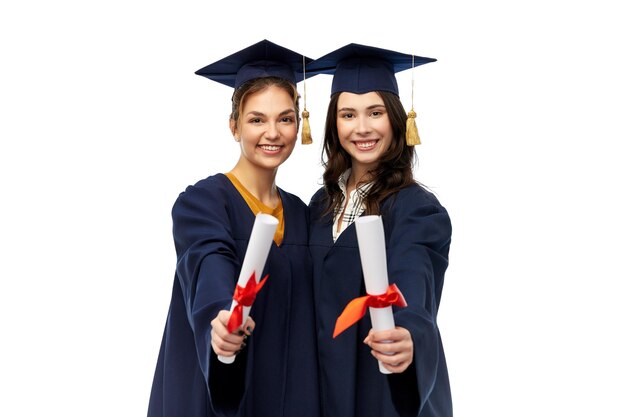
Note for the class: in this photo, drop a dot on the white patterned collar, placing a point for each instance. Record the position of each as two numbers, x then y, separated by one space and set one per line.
352 205
362 188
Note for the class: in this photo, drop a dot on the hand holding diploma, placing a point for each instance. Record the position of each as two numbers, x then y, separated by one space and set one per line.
381 296
393 349
225 343
250 282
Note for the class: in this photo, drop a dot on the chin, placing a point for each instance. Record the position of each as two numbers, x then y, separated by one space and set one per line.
368 161
270 166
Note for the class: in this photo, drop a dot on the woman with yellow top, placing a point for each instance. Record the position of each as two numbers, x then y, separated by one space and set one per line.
275 373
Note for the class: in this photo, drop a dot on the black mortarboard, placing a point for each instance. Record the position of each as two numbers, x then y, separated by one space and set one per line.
360 68
263 59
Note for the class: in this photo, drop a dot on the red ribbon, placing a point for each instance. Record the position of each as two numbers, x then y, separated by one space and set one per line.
355 309
245 297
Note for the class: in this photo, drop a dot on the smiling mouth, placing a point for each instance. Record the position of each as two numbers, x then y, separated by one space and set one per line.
270 148
365 145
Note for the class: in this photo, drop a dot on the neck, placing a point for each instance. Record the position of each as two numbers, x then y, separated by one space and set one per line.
259 182
359 174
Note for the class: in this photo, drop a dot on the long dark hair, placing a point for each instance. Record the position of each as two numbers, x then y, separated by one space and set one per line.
395 167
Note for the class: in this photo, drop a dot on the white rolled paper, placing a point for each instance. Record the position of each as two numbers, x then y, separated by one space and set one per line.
371 237
258 249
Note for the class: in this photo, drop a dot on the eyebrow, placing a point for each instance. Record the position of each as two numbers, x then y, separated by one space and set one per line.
373 106
260 114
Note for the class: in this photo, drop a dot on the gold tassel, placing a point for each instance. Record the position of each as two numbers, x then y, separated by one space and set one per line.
306 129
412 137
307 139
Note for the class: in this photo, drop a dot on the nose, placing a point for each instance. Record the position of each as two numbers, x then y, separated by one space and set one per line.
272 132
363 126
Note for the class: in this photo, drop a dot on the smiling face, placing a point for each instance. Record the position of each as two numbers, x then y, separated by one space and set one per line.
364 129
266 128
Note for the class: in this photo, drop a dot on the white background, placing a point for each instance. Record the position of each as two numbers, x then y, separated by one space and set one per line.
103 123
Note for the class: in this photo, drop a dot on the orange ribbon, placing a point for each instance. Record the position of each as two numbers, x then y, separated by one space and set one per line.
355 309
245 297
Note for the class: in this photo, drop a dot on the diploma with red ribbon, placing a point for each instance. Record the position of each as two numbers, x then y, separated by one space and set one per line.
355 309
244 297
381 296
248 285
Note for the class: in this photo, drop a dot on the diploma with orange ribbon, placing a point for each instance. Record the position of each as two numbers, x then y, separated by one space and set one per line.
248 284
381 296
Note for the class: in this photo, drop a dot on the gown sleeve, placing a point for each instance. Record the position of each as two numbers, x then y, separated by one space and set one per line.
419 234
207 268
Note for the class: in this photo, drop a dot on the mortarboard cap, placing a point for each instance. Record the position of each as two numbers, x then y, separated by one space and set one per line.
360 68
263 59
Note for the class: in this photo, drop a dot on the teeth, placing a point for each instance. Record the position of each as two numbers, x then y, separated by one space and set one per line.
270 148
365 145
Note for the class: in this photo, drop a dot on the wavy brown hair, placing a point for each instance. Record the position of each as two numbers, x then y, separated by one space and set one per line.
395 166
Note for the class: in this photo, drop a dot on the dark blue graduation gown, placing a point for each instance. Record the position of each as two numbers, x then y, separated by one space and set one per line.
277 373
417 237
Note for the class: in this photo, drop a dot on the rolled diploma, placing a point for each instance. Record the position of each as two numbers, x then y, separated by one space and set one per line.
371 238
258 249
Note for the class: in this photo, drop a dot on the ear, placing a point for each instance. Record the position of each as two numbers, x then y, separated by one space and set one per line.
233 129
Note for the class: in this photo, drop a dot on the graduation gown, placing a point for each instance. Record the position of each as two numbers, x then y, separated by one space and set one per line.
276 374
417 237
